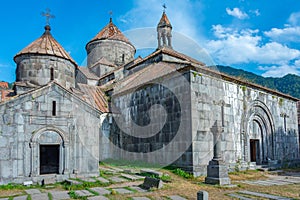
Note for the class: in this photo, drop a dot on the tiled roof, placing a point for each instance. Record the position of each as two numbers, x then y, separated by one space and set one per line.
94 96
88 73
164 21
3 85
146 75
170 52
104 61
111 32
46 45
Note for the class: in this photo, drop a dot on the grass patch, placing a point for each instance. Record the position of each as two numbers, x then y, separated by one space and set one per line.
28 197
129 163
182 173
84 185
73 195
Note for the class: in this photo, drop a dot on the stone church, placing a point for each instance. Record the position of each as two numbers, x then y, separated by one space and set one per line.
61 119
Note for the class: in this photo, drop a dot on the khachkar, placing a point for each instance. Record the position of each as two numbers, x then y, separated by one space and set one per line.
217 172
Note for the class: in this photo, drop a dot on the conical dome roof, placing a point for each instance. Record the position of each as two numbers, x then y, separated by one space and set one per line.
46 45
111 32
164 21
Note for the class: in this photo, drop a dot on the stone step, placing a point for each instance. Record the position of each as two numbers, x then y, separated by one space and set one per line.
102 180
100 190
151 171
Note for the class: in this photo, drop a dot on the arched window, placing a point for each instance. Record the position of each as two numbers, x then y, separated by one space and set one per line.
51 74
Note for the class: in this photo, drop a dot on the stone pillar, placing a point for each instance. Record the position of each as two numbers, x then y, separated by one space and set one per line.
217 172
66 154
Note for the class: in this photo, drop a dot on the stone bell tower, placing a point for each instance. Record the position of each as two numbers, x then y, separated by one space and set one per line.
164 32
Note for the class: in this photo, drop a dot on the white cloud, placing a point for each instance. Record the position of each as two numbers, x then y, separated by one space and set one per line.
279 70
184 15
236 12
294 19
255 12
233 46
287 34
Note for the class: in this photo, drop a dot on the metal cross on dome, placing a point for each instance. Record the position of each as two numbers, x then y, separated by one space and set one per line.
164 6
48 16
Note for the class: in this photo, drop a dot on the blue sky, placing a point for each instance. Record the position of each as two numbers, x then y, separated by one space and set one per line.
261 36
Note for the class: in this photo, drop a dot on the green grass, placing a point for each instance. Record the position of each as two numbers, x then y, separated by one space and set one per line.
84 185
50 197
73 195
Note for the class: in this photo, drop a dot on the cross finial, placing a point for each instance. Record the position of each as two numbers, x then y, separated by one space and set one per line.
164 6
48 16
110 14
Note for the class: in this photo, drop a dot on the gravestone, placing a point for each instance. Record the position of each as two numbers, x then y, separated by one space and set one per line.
202 195
217 172
152 182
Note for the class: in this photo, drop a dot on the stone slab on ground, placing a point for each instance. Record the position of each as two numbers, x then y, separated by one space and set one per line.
234 195
83 193
130 177
102 180
138 189
21 197
152 183
107 170
100 190
122 191
60 194
3 198
176 197
89 180
117 179
73 182
98 198
33 191
42 196
258 194
152 171
140 198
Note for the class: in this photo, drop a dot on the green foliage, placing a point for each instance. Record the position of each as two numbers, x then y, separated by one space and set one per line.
289 84
166 178
182 173
50 197
28 197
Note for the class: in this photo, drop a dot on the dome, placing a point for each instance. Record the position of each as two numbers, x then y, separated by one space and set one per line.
46 45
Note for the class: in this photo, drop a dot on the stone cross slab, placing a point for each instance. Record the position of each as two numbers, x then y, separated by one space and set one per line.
222 104
284 115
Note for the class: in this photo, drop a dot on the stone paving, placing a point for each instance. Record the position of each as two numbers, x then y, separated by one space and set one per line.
113 175
275 180
255 195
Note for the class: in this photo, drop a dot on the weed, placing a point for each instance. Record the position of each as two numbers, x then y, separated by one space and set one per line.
166 178
28 197
50 197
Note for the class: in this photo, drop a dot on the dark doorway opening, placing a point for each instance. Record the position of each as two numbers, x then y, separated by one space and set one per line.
49 159
254 150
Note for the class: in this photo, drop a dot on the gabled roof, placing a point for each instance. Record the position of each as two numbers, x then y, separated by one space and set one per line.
94 96
170 52
110 32
88 74
164 21
103 61
46 45
146 75
45 88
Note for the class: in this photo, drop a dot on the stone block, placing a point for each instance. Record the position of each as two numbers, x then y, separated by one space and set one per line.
122 191
152 182
202 195
100 190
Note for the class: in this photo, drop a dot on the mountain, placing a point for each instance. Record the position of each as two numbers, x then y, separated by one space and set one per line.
288 84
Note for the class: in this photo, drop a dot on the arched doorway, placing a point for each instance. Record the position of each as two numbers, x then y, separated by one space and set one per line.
49 152
259 134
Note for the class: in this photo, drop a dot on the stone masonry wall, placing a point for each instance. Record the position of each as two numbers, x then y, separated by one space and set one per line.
246 114
154 123
28 120
37 69
116 52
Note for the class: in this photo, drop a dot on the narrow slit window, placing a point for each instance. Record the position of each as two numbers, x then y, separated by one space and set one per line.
53 108
51 74
123 57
